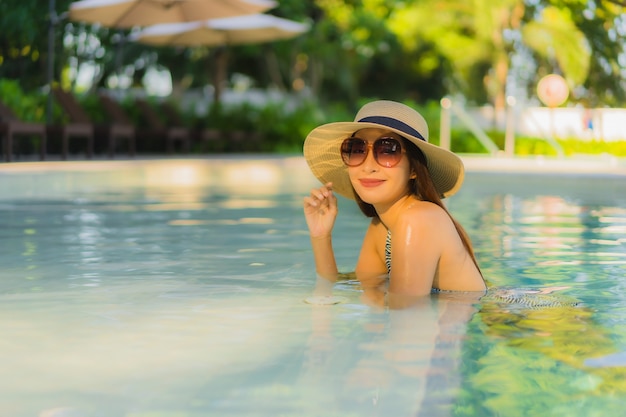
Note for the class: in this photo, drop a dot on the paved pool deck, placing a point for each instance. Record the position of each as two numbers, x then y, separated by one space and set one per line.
576 165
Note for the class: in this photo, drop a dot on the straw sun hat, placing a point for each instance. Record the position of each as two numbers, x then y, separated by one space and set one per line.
322 147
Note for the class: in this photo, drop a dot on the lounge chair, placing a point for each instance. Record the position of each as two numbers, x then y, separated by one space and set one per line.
80 124
11 126
202 134
157 127
120 125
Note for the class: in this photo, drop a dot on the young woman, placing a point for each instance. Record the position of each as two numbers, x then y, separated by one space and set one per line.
383 160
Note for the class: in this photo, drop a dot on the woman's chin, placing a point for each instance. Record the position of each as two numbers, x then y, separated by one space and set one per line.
369 197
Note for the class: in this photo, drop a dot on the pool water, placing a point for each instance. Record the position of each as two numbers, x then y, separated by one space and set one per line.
175 288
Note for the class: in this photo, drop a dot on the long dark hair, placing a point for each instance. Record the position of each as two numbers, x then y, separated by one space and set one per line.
423 187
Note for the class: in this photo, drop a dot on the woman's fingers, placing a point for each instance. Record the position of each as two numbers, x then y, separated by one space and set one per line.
310 201
320 210
320 196
321 193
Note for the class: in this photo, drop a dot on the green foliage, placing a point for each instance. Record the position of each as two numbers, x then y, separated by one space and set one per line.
575 146
27 107
533 146
291 127
279 126
282 126
462 141
132 111
358 48
601 22
229 118
24 40
92 106
541 348
556 27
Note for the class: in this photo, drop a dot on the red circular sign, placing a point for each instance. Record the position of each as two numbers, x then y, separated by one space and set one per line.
552 90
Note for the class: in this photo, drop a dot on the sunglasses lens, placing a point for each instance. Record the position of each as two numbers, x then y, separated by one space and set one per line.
353 151
388 152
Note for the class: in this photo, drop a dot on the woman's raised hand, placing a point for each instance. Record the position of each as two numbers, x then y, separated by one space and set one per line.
320 211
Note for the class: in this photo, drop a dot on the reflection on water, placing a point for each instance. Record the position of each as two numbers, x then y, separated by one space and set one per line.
176 289
572 237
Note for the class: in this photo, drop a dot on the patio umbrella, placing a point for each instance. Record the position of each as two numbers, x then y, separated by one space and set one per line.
130 13
124 14
249 29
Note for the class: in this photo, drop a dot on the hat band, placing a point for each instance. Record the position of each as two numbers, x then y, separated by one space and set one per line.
392 123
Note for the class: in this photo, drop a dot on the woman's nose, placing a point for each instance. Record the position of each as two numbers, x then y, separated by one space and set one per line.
370 164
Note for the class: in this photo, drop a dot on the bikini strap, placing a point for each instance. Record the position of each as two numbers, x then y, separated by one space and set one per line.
388 251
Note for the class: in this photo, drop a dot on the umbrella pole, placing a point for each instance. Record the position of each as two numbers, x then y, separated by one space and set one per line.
119 57
221 61
50 76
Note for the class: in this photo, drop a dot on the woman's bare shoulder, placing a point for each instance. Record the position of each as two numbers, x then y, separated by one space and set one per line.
423 212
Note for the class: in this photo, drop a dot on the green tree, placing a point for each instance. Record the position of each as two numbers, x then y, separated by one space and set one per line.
418 49
24 40
603 23
358 54
479 37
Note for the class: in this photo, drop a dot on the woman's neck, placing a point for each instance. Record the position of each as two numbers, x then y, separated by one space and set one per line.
389 214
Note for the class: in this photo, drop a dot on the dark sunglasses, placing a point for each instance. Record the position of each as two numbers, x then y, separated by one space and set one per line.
387 151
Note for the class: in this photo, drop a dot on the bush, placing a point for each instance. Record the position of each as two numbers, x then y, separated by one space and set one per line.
284 130
27 107
575 146
278 126
91 104
282 127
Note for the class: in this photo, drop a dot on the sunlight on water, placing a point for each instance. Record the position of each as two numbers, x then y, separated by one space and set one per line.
557 360
177 288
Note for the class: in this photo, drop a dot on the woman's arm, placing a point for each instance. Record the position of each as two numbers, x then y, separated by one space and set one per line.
417 242
320 212
371 270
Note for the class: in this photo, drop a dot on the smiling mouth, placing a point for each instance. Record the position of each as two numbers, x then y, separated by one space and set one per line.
365 182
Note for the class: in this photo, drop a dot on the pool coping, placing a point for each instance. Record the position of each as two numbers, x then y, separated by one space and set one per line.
579 165
605 165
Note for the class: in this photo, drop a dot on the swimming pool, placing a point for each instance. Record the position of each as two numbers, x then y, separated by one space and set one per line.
176 287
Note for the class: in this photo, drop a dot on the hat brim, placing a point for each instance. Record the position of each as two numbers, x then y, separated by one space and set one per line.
322 153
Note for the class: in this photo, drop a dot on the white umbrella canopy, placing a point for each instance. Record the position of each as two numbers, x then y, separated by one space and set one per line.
130 13
249 29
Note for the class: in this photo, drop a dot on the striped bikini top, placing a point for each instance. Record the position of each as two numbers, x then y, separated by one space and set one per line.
388 251
519 297
388 258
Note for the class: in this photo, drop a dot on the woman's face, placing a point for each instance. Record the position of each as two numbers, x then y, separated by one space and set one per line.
377 184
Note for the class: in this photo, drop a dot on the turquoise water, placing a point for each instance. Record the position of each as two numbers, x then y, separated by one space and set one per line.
176 288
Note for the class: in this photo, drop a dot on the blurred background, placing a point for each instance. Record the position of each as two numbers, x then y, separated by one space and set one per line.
471 66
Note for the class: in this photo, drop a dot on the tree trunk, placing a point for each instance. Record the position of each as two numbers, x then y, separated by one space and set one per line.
219 73
273 69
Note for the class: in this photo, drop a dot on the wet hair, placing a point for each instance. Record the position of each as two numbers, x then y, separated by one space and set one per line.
423 187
